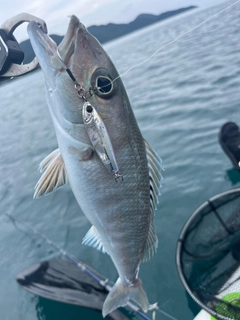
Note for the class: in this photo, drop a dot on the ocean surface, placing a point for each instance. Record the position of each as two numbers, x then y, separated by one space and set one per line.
181 97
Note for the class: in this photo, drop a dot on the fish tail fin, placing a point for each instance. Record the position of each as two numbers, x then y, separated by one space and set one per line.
120 294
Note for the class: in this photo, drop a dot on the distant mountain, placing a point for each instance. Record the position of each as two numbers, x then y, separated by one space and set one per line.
112 31
105 33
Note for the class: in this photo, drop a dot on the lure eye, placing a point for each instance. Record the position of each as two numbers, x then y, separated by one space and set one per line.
89 109
104 85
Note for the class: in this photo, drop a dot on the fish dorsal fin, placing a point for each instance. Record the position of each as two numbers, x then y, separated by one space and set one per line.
54 174
155 178
92 239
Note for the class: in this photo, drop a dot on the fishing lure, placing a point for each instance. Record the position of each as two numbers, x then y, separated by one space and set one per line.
100 139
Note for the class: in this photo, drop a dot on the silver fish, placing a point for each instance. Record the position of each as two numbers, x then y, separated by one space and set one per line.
121 214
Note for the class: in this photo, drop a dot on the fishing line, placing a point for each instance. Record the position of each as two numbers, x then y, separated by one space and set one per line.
149 58
83 267
166 314
171 42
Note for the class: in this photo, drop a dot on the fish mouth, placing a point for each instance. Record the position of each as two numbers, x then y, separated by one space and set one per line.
66 47
44 45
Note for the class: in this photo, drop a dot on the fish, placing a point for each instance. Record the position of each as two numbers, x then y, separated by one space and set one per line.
113 172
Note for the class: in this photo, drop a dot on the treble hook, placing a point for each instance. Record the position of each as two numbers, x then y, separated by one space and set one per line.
118 177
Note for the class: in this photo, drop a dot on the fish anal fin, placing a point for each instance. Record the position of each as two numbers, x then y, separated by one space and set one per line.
152 242
93 239
54 175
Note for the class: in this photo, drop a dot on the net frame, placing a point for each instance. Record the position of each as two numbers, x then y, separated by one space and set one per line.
180 250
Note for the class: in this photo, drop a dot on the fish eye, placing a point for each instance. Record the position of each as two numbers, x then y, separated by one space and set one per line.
104 85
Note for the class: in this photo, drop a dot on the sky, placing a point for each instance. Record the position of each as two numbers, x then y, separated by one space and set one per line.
56 12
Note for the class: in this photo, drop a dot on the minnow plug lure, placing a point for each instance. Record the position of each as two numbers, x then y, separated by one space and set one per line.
100 139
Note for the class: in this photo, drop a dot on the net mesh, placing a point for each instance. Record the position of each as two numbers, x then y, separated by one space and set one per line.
208 255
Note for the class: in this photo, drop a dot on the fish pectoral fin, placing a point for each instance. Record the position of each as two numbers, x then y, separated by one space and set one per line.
83 154
54 175
155 178
46 161
93 239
